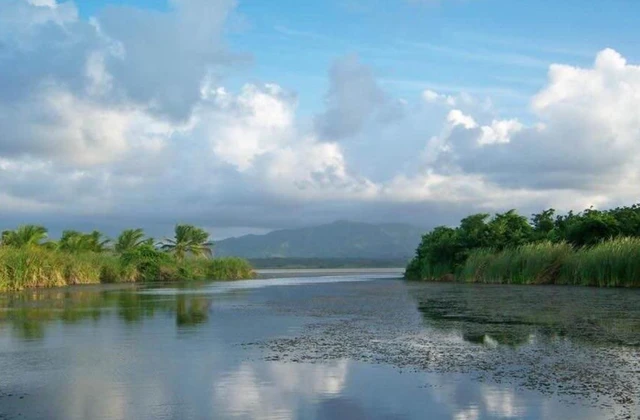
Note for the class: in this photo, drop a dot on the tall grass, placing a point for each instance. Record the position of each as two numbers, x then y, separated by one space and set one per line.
31 267
228 268
614 263
528 264
425 270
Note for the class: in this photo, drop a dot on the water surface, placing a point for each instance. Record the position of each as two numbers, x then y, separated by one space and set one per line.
344 346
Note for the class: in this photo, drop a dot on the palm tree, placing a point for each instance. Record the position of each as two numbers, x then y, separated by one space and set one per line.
74 241
188 240
131 239
23 236
98 242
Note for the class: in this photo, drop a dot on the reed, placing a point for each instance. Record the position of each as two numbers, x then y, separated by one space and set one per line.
37 266
614 263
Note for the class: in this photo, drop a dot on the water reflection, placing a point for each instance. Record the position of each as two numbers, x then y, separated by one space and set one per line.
30 313
516 316
278 390
175 354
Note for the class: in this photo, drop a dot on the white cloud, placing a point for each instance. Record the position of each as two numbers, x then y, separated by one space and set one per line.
144 132
257 121
500 131
456 117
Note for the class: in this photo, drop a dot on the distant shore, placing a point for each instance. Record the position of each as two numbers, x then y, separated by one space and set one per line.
313 272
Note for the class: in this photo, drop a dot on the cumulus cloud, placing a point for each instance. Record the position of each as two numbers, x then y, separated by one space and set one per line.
126 119
586 138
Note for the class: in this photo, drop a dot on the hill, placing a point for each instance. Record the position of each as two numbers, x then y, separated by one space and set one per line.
340 239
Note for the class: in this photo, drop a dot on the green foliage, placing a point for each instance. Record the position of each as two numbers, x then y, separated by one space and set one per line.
509 248
613 263
188 240
79 258
26 235
537 263
130 240
150 264
228 268
76 242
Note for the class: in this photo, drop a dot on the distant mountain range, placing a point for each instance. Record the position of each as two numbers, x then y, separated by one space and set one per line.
342 239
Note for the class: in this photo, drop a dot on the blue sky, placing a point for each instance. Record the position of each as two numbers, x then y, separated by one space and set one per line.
250 115
495 48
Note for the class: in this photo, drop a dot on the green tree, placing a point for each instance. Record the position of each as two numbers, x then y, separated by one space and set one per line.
75 242
509 230
591 227
23 236
543 224
131 239
188 240
474 231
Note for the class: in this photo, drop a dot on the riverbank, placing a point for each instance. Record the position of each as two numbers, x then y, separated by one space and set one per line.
590 248
38 267
613 263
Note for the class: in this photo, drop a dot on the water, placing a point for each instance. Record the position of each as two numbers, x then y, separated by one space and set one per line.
344 346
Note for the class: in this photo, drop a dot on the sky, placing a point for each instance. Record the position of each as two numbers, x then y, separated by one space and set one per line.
247 116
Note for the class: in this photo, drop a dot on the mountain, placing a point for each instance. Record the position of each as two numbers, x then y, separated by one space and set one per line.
342 239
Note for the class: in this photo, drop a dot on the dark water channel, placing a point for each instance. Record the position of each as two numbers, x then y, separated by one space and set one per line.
349 346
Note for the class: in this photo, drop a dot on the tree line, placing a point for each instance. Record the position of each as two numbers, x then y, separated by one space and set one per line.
187 240
445 249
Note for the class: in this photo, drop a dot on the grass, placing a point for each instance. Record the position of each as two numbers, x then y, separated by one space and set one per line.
614 263
33 267
528 264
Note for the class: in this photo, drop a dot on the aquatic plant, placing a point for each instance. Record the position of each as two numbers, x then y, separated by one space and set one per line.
538 263
614 263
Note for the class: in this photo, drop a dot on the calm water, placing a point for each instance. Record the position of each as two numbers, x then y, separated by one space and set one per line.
346 346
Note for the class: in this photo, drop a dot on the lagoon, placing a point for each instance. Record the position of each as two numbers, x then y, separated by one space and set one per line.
320 345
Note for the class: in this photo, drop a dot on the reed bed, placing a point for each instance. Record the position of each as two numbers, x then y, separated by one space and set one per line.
613 263
35 267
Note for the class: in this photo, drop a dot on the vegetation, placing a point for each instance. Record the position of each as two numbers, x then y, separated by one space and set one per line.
188 240
24 236
130 240
28 260
593 248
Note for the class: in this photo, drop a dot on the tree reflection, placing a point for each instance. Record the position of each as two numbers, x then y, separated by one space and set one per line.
515 316
191 311
29 314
